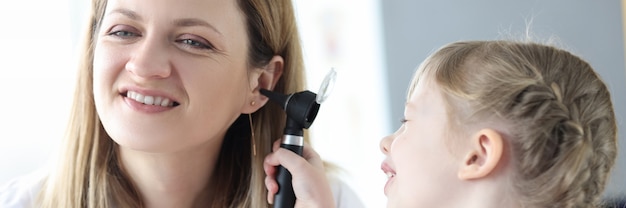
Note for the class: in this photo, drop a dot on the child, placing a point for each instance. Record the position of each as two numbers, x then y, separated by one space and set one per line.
488 124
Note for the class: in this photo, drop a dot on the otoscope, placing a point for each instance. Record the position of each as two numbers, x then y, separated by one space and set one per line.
301 109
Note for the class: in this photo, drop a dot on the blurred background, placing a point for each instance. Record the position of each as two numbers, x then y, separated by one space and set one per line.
374 45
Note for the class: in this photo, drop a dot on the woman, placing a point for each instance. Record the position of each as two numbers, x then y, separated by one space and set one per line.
167 111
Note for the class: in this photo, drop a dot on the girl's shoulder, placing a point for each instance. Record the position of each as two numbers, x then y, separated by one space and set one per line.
345 196
21 192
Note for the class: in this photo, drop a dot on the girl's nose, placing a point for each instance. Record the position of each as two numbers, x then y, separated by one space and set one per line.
150 59
385 144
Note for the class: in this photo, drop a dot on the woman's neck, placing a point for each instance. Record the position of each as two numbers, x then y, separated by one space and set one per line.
179 179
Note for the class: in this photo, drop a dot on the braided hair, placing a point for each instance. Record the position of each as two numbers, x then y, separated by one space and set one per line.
556 111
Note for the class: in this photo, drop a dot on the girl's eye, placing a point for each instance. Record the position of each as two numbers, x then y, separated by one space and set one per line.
403 120
195 44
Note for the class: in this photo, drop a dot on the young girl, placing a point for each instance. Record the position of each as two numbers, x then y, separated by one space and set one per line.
488 124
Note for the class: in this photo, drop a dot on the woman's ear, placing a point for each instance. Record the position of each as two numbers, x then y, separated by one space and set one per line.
265 78
484 155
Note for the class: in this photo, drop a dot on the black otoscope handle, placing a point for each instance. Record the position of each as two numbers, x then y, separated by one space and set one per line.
285 197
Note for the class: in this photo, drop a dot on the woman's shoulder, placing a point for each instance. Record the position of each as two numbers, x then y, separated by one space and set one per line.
22 191
344 195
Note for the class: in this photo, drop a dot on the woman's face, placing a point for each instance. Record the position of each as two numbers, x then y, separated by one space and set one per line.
170 74
420 167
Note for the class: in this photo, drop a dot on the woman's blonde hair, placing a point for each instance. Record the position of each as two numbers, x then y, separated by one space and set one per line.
89 174
557 112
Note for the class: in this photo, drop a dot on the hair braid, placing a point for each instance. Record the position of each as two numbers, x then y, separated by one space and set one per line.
557 151
555 146
556 109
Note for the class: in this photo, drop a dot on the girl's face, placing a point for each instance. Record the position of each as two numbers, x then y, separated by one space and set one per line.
420 167
169 75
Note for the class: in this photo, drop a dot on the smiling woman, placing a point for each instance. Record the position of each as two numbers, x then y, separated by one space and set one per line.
167 110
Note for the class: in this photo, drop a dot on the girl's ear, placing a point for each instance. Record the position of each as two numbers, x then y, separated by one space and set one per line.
266 78
484 156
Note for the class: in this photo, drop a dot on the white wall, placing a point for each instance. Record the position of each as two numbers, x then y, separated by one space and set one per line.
36 81
351 123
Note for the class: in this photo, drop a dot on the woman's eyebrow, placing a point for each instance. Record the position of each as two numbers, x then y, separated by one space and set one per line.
128 13
184 22
188 22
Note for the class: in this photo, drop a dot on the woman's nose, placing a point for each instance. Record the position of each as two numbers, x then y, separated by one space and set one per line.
150 59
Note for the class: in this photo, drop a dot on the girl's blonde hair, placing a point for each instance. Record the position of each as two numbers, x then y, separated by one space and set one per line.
89 174
557 112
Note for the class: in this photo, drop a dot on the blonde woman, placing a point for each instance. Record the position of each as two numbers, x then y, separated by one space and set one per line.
489 124
167 111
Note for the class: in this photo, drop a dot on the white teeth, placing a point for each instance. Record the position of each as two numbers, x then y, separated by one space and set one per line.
390 175
149 100
139 98
157 100
130 94
166 102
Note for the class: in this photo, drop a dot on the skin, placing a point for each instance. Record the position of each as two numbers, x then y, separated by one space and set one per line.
412 148
424 169
192 52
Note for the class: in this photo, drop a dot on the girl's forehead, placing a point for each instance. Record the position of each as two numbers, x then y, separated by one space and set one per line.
422 78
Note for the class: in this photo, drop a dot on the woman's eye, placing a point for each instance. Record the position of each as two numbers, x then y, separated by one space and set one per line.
123 34
403 120
195 44
123 31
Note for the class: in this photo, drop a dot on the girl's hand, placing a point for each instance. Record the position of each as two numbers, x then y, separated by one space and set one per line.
307 175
